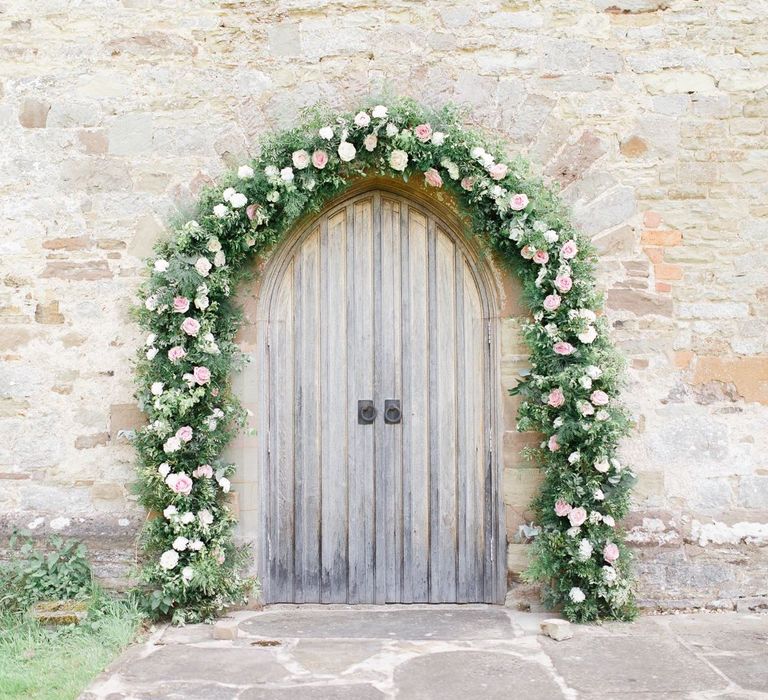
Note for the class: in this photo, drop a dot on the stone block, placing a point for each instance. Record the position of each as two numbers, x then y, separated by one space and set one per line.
662 238
284 39
518 557
125 416
48 314
225 629
639 303
753 492
748 374
575 158
130 134
34 113
83 271
87 442
557 629
667 82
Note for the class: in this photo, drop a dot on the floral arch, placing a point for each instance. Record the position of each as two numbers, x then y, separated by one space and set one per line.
570 396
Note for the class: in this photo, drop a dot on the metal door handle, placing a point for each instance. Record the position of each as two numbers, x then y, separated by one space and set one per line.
392 412
366 412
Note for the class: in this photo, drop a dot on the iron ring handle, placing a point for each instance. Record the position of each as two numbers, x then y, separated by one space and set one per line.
392 412
366 412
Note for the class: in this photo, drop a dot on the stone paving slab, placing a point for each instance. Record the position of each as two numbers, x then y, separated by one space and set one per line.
387 623
445 653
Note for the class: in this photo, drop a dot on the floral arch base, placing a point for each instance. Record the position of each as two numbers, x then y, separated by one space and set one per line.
192 565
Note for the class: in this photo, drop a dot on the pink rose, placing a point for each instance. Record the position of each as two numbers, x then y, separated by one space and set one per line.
433 178
599 398
610 552
556 398
251 210
179 483
541 257
202 375
577 517
518 202
569 250
180 305
553 444
204 470
563 283
319 159
423 132
467 183
498 171
563 348
190 326
184 433
552 302
527 252
176 353
562 508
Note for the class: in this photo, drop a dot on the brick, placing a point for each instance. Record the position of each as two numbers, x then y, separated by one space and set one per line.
655 255
94 142
651 219
125 416
69 243
665 271
663 287
638 302
662 238
682 358
87 271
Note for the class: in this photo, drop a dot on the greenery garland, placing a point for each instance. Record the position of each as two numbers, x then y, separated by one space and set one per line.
569 395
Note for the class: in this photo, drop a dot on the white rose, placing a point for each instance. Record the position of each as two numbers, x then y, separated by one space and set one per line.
225 484
379 112
550 236
595 517
220 211
202 303
196 546
585 549
558 421
362 119
573 531
226 195
346 151
594 372
161 265
205 516
300 159
188 517
203 266
577 595
219 259
271 171
574 457
391 130
238 200
169 559
214 245
151 303
187 573
588 335
157 388
326 133
602 414
164 469
487 160
477 153
609 575
180 544
438 138
151 353
609 521
151 338
286 174
172 444
170 511
585 382
370 142
598 495
273 196
398 160
602 466
244 172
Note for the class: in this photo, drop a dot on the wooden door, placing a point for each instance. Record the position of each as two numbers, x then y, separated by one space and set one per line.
379 299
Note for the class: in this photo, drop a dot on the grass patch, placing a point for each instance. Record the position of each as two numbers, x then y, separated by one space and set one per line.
38 663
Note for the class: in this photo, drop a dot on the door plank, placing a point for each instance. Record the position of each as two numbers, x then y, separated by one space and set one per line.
360 350
334 407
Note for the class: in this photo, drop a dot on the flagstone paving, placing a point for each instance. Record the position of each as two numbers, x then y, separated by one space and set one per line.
446 652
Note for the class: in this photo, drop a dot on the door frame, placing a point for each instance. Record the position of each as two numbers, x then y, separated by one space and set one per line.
441 205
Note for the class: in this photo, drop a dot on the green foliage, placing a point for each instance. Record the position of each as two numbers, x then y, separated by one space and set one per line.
57 571
514 214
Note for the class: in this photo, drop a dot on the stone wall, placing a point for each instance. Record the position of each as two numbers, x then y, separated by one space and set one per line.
651 115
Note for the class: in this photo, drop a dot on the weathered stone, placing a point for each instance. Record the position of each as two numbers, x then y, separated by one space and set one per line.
48 313
633 147
557 629
94 142
91 270
225 629
34 113
576 158
748 374
130 134
86 442
639 303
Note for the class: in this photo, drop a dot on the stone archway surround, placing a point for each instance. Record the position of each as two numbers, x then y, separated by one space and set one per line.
514 215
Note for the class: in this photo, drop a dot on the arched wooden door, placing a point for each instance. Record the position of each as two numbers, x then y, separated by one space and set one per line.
378 300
